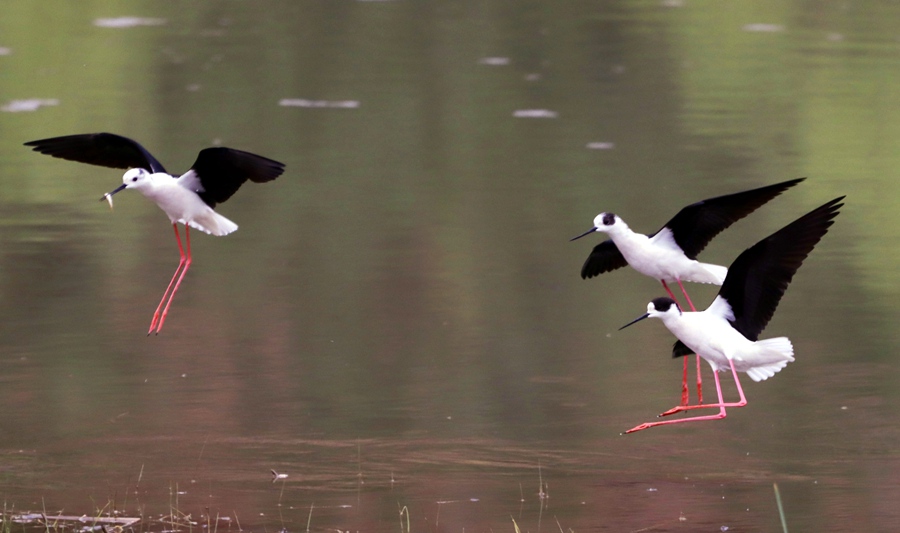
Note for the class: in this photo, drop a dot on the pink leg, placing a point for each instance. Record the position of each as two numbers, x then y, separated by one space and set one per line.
187 265
686 297
159 319
717 416
737 383
684 387
181 263
699 381
668 290
699 374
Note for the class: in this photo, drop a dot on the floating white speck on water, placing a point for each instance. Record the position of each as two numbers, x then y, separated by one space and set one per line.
127 22
600 145
30 104
302 102
535 113
762 27
494 61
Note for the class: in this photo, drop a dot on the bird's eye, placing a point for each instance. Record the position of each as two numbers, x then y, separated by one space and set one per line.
134 179
609 219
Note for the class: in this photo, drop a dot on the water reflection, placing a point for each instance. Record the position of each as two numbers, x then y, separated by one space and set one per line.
400 324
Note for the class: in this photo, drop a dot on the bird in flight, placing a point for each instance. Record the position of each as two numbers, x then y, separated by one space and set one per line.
670 254
726 334
188 199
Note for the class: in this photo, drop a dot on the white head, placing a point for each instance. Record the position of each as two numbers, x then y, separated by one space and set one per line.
605 222
135 178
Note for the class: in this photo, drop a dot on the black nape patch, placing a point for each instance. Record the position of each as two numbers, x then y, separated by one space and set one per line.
609 219
663 304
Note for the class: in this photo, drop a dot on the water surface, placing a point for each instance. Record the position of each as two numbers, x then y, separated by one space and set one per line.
399 324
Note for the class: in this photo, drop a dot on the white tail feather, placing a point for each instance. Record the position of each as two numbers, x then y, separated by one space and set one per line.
717 272
774 354
213 223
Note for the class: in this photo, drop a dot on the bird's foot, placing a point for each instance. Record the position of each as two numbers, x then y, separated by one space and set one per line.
154 323
672 411
640 427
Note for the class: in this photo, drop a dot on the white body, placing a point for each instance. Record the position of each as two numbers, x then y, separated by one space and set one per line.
710 334
659 257
177 198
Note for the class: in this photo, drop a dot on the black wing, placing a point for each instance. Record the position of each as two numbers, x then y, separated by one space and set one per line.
222 171
695 225
604 258
103 149
757 279
680 349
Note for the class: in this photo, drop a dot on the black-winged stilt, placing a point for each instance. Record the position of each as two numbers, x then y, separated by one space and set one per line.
670 254
188 199
726 333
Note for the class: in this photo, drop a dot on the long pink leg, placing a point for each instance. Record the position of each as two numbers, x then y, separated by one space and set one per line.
699 374
181 263
187 265
741 403
717 416
684 387
158 319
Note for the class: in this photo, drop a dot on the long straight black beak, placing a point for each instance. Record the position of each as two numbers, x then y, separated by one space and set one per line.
112 192
588 232
638 319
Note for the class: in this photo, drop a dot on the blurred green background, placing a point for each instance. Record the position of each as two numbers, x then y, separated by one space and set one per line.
400 319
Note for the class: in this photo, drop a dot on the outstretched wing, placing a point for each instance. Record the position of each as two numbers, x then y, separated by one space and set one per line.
221 172
604 258
102 149
757 279
695 225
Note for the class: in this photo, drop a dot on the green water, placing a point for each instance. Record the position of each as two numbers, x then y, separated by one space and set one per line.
400 321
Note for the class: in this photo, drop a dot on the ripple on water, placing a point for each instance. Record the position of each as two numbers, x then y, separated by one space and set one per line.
494 61
535 113
28 104
127 22
600 145
763 27
302 102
